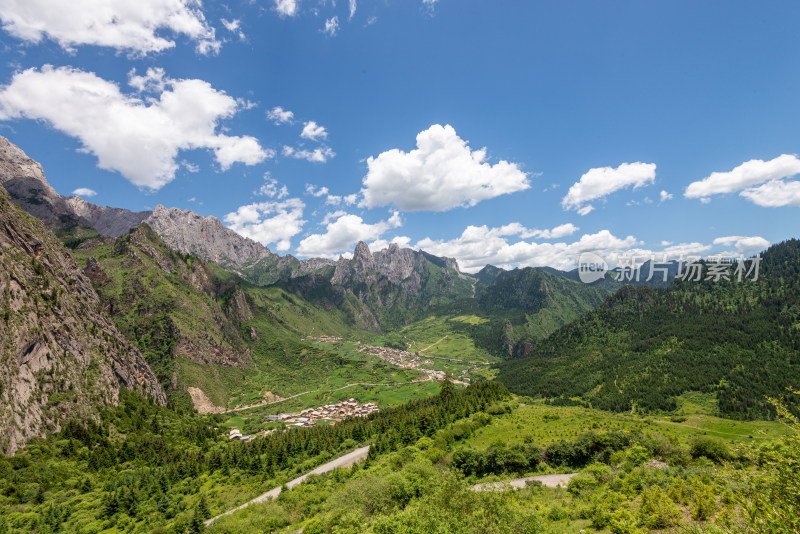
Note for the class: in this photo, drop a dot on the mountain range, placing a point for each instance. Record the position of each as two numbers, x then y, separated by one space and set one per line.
185 311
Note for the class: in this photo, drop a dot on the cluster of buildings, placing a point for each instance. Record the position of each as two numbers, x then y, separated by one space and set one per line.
405 359
325 339
334 412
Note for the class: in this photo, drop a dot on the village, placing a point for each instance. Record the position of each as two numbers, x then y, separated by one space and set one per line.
397 357
404 359
332 413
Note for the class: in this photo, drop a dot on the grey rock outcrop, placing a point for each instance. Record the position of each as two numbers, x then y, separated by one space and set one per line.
24 179
61 357
205 237
105 220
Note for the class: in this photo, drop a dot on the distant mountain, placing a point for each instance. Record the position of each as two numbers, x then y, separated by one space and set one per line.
739 340
395 285
182 230
377 291
61 356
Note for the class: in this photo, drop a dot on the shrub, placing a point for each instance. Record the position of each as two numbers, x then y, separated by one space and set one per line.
657 510
711 448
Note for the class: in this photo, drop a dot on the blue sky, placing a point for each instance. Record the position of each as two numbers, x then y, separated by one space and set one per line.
511 133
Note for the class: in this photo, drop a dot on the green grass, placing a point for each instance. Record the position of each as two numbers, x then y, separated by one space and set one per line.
542 424
444 337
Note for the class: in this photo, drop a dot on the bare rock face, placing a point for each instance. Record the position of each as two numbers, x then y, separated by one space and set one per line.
61 357
108 221
205 237
24 179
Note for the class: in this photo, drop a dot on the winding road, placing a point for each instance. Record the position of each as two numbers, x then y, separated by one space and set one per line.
343 461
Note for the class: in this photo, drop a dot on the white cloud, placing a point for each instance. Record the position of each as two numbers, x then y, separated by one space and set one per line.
234 26
286 8
335 200
314 192
664 196
352 9
331 26
744 245
138 138
130 25
278 115
480 245
191 167
343 233
318 155
748 174
773 194
602 181
440 174
506 247
554 233
271 189
313 131
381 244
154 80
269 222
84 192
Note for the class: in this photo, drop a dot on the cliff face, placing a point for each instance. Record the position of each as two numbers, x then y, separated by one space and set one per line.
24 179
108 221
205 237
61 357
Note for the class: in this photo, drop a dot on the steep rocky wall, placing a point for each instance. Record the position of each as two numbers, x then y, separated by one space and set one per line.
61 357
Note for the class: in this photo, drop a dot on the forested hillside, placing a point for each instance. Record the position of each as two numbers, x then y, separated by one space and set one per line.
644 347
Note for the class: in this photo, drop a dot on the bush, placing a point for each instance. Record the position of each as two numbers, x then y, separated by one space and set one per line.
711 448
657 510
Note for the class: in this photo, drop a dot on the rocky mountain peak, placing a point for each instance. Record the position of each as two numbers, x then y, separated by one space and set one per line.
362 258
206 237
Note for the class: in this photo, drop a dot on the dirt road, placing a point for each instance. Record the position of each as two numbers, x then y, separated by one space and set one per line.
343 461
550 481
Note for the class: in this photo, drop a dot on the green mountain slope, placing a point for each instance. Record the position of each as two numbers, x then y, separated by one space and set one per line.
644 347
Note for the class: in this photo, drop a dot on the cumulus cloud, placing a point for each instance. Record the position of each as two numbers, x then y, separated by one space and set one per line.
600 182
153 81
342 233
481 245
506 247
744 245
272 189
773 194
331 26
278 115
286 8
352 9
130 25
440 174
139 138
664 196
381 244
318 155
313 131
335 200
269 222
746 175
316 192
84 192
